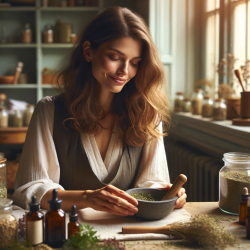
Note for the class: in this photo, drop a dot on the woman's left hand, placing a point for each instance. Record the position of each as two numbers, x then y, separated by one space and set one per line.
181 201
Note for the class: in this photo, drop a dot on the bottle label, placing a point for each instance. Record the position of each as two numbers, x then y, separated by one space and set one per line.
34 232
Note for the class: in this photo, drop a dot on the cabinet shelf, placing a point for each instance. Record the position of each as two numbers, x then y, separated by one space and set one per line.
18 86
69 8
18 45
57 45
20 9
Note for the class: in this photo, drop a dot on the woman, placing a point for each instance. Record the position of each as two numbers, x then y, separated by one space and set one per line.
103 133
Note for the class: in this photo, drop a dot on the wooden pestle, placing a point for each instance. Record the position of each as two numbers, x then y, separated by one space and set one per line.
240 78
179 182
143 230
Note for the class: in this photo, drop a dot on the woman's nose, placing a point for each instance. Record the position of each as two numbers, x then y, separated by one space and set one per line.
123 69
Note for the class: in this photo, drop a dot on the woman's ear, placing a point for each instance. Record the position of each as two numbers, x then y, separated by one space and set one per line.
87 51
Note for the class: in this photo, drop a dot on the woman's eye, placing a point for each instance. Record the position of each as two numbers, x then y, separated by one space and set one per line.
134 64
113 59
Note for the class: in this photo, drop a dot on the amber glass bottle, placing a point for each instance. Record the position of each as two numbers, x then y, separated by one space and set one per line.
73 225
248 220
34 223
55 223
243 207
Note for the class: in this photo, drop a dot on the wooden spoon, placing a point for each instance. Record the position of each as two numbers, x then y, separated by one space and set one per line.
240 78
179 182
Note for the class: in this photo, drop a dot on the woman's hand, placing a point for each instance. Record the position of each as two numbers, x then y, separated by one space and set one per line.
112 200
181 201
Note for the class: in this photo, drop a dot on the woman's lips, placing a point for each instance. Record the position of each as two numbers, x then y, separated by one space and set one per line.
118 80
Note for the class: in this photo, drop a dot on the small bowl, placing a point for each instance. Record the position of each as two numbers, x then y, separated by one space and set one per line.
153 210
6 79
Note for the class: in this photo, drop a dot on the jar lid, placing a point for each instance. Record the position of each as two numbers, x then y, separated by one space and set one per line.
2 159
187 99
179 93
207 97
5 203
197 90
219 100
29 105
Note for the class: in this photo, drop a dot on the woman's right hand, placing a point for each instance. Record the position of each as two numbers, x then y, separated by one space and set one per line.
112 200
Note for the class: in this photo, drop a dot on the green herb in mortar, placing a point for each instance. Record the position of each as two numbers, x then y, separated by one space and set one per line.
142 196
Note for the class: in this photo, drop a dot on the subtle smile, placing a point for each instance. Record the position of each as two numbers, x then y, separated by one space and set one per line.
118 80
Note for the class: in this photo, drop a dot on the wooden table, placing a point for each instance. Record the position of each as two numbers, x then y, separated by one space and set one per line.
210 208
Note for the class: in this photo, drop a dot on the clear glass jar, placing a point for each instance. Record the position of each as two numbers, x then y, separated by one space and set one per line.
26 35
219 110
48 34
196 104
233 177
186 105
4 117
8 224
207 107
3 177
28 114
16 119
178 102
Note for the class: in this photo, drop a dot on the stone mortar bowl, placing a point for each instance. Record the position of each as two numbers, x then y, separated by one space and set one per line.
153 210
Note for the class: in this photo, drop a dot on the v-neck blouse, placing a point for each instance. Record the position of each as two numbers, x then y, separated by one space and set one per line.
103 169
39 169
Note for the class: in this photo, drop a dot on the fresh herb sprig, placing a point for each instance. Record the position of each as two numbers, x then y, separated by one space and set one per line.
86 239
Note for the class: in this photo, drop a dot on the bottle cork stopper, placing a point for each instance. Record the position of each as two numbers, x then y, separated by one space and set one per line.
245 191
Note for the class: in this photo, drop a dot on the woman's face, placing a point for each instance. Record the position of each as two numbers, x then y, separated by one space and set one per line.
115 62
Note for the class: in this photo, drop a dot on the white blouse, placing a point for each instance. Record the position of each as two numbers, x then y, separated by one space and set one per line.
39 170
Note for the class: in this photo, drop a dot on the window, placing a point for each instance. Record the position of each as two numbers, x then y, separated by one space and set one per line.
211 54
240 33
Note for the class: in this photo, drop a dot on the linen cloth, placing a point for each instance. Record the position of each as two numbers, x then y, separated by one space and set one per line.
39 170
110 226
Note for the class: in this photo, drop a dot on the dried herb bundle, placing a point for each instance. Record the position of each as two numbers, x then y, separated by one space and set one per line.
203 230
142 196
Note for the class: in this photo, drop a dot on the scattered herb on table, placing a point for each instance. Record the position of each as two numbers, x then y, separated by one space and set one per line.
21 227
20 246
142 196
86 239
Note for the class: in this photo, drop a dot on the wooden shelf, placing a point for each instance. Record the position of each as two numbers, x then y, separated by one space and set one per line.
21 9
18 45
58 46
77 8
18 86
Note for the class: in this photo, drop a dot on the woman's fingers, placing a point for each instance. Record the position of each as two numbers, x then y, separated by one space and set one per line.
181 192
114 208
118 192
105 195
180 202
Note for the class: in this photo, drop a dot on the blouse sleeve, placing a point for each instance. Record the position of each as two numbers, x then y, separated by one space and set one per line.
153 169
38 169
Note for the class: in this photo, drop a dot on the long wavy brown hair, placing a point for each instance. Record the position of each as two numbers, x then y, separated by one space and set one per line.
141 105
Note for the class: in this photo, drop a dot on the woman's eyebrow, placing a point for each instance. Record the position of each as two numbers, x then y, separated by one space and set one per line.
119 52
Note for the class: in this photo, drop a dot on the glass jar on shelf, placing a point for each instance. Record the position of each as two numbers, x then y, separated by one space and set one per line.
48 34
207 107
3 177
16 118
233 177
178 102
186 105
28 114
219 110
8 224
196 103
4 117
26 35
